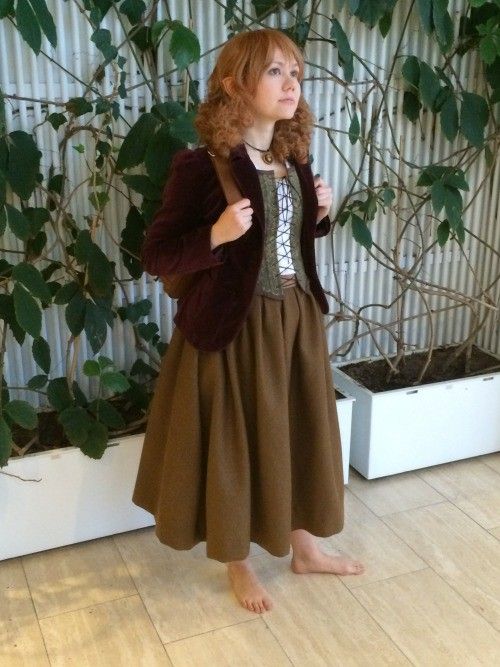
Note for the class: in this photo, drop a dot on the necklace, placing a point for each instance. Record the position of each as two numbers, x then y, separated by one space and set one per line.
266 153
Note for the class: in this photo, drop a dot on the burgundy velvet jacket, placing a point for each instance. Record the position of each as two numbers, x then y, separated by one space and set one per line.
178 241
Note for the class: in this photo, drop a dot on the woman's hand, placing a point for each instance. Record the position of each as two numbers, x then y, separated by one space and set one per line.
233 223
324 196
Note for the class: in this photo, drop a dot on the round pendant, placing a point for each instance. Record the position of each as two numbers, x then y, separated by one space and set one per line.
268 158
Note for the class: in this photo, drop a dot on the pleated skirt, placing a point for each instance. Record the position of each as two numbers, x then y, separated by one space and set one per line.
243 445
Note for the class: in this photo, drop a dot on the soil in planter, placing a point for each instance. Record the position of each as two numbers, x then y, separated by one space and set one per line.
375 375
50 433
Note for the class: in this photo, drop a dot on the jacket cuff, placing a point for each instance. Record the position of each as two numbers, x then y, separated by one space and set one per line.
323 227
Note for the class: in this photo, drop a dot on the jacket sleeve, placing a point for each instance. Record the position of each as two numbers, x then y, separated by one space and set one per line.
323 227
178 239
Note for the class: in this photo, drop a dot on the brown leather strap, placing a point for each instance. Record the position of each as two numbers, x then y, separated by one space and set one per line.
226 179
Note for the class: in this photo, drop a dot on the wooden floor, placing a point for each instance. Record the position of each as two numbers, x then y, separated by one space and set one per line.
430 540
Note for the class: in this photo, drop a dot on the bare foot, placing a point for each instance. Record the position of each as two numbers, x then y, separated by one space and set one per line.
317 561
247 588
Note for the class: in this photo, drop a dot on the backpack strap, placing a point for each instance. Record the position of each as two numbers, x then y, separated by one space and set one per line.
226 178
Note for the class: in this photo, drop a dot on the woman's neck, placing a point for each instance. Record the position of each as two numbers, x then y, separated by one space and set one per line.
259 135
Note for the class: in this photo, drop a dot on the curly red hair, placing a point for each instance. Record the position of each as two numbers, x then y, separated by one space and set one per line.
221 118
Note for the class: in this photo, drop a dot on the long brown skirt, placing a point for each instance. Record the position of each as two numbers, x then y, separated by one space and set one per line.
243 445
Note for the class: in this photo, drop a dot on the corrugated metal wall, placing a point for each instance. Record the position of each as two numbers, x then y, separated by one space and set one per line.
344 267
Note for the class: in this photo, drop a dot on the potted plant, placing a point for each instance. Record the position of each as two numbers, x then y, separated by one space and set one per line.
426 402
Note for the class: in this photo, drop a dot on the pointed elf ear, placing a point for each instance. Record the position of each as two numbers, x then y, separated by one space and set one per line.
228 85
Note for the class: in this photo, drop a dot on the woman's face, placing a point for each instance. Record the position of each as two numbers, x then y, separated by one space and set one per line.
278 90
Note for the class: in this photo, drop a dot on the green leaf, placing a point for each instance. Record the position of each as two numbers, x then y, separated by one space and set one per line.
45 20
473 118
371 12
97 440
56 120
37 381
162 147
385 23
354 129
104 362
41 353
141 37
28 313
83 245
442 24
144 186
91 367
134 145
411 105
182 127
99 199
411 71
24 163
345 57
95 326
460 231
133 10
58 394
37 217
22 413
425 13
5 442
132 238
139 367
66 292
75 313
8 314
115 381
438 196
78 106
76 423
158 29
361 232
18 223
443 232
6 8
137 310
388 195
102 39
100 272
449 117
488 49
429 85
456 180
32 279
147 331
184 45
453 206
106 413
28 25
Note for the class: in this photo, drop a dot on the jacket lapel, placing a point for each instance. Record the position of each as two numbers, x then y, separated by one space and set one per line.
309 201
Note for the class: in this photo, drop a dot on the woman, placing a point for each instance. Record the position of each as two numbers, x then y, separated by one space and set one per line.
242 442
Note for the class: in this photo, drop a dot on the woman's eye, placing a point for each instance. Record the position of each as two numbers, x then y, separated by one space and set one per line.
274 70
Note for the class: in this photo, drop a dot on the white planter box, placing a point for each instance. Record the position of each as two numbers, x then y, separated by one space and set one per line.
69 497
417 427
344 412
